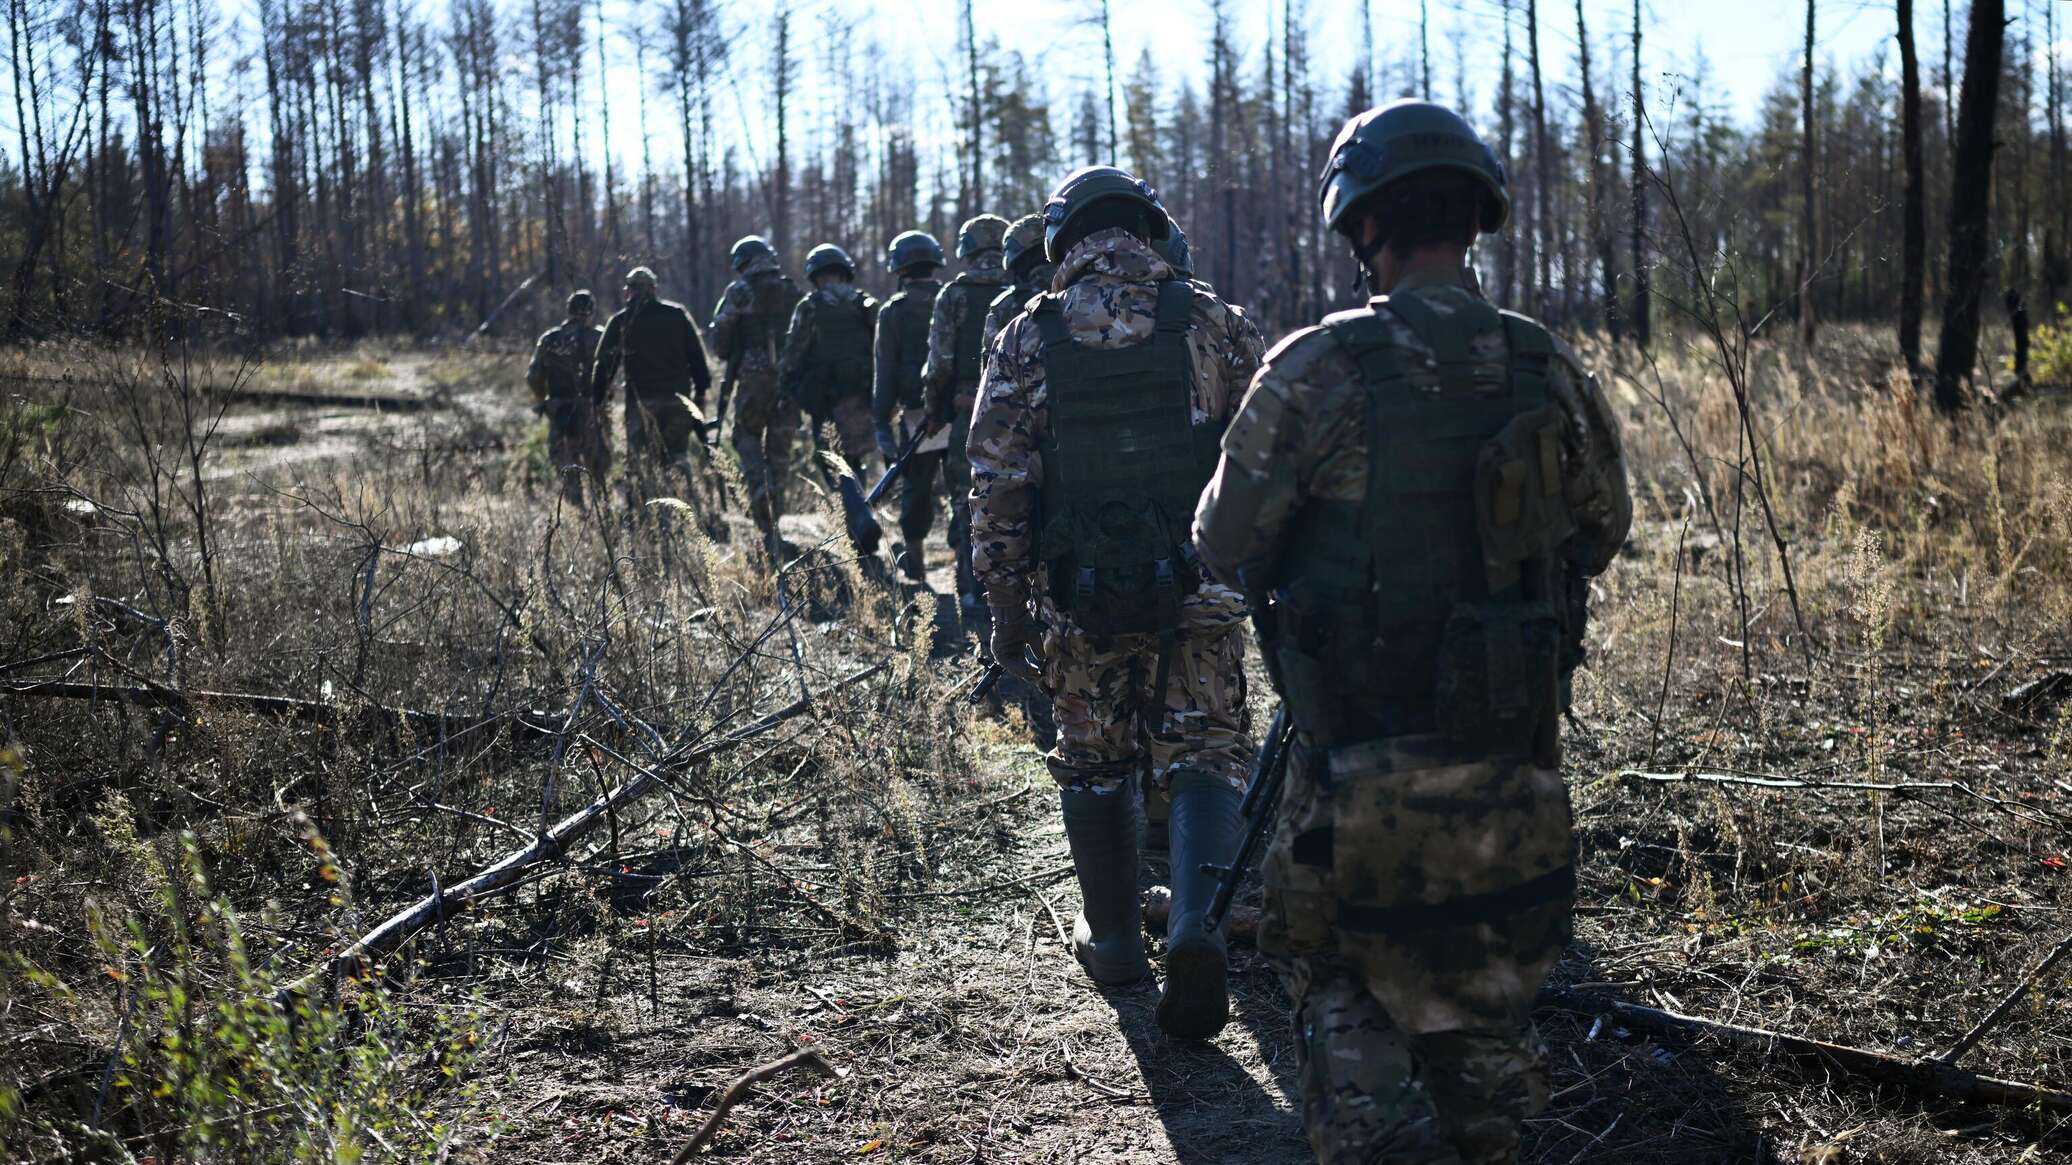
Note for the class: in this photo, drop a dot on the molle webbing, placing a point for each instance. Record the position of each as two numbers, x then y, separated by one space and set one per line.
842 348
912 325
971 330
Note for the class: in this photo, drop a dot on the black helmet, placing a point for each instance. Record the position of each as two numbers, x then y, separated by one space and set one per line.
1024 239
828 257
749 249
980 233
581 301
910 247
1090 184
1403 138
1175 251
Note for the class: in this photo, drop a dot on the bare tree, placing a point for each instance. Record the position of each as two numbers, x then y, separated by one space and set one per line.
1809 161
1641 307
1970 203
1915 251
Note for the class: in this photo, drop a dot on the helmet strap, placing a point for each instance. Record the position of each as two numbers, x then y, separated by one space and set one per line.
1363 274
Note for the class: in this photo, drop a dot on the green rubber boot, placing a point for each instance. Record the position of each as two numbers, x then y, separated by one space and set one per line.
1108 936
1206 826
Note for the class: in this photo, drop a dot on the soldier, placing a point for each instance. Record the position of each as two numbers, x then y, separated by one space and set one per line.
900 352
1096 428
559 377
665 362
826 362
1022 254
1408 482
745 329
956 345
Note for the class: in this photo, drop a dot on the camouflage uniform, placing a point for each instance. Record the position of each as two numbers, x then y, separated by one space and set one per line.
900 354
1411 935
559 376
951 379
1110 289
1009 304
843 395
744 333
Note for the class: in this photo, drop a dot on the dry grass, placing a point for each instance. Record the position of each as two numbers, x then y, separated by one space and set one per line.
415 562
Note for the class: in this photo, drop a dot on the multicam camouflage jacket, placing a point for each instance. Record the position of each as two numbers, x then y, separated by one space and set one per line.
968 294
896 383
1009 304
812 375
1108 294
561 361
1301 435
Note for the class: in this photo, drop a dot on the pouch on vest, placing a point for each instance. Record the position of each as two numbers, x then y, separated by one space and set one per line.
1497 676
1521 515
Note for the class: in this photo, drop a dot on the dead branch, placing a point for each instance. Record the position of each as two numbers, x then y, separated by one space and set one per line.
1978 1030
152 695
1923 1077
2029 813
552 843
802 1058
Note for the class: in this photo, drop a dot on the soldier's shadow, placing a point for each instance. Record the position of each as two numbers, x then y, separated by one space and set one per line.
1227 1101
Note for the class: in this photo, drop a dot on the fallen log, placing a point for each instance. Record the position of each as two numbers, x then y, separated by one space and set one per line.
508 871
1925 1077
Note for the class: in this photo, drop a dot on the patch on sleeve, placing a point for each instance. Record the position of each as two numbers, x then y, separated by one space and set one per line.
1250 440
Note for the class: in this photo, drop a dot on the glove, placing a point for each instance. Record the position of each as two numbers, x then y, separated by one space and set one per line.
1014 638
887 447
539 408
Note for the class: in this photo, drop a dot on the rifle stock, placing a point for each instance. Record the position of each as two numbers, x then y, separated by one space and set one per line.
885 480
1262 796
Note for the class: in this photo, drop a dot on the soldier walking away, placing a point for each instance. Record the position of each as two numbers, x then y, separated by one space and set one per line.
1409 481
1095 430
1022 254
826 361
559 376
656 342
746 329
898 356
956 346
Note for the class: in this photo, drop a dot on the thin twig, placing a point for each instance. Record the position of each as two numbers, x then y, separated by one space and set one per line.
801 1058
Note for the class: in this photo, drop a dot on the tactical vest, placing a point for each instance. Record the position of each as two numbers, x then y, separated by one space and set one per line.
909 314
840 363
1429 606
1123 464
772 296
971 333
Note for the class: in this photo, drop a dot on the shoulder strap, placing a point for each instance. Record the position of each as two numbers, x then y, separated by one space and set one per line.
1050 323
1175 305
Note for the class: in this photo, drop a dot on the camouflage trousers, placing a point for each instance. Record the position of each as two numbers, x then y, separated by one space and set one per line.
1414 904
855 432
956 475
575 444
766 423
659 431
1110 721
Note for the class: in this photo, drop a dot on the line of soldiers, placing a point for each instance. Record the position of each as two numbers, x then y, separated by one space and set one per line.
1406 501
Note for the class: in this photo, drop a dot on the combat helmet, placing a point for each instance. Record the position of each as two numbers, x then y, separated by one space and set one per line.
1175 251
910 247
581 301
1402 138
982 233
748 249
1091 184
827 257
1024 238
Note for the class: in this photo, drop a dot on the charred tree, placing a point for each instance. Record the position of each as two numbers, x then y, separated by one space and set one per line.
1970 203
1914 249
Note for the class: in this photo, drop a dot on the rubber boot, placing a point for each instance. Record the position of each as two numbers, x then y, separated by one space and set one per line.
1206 826
1108 936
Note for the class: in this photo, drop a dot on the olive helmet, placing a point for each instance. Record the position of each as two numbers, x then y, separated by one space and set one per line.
1175 251
828 257
1024 239
1090 184
982 233
641 277
910 247
581 302
748 249
1402 138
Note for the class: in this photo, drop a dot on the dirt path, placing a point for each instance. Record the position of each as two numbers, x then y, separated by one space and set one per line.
979 1040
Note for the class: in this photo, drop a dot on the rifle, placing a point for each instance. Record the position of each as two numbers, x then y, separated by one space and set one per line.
1262 797
986 683
726 393
885 480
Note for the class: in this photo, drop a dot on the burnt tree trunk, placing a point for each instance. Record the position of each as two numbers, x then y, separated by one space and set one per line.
1914 248
1971 200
